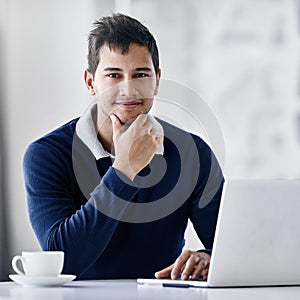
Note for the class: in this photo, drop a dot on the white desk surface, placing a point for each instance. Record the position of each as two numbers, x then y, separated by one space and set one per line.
129 289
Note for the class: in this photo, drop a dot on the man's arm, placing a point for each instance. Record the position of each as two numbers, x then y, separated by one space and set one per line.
204 213
81 232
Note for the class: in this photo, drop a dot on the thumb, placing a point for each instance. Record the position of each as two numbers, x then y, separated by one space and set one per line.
116 124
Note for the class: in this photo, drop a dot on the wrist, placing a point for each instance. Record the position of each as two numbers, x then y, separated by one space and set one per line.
207 251
127 171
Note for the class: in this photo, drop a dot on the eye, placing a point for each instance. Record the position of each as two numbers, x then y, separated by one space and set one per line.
113 75
141 75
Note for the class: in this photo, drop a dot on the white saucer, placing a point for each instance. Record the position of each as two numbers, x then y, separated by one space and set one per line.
40 280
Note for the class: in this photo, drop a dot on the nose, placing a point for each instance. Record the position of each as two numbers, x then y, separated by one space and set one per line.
127 89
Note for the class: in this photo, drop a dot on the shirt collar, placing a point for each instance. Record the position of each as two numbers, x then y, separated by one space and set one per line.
86 130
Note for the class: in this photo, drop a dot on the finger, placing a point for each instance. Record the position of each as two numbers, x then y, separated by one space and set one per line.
153 132
158 141
202 265
140 119
116 124
165 273
140 125
190 266
204 274
147 126
179 264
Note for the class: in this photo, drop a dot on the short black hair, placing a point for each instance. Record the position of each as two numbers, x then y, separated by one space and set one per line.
119 31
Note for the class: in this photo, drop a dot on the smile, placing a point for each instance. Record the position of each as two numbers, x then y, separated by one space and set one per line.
129 105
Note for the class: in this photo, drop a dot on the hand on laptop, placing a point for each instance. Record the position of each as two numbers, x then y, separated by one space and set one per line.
190 264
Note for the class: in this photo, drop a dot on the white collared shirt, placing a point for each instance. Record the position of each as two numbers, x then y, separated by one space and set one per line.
87 131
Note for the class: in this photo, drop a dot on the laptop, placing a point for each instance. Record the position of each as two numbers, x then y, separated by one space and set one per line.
257 241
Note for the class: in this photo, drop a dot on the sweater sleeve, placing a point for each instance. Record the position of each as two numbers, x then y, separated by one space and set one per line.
82 232
206 196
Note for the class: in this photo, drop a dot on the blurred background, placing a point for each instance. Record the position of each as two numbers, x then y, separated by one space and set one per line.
241 57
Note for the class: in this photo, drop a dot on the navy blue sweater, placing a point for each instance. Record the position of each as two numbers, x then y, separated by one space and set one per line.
71 202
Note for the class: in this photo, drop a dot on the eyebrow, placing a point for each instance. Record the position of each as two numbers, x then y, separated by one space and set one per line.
110 69
144 69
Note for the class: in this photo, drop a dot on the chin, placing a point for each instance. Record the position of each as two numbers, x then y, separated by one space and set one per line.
128 116
127 119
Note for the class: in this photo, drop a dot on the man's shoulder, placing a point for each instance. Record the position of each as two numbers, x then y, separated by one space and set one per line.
63 131
59 139
171 130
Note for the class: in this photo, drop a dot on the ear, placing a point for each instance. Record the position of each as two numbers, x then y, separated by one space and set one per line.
89 82
157 81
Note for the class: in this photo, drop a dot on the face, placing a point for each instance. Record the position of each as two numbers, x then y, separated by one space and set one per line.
124 84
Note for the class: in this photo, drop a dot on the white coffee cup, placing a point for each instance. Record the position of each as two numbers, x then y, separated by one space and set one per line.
39 263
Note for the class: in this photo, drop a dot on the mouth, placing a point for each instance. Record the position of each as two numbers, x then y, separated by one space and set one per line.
128 105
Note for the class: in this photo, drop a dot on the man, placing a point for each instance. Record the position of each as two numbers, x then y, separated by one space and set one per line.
114 189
